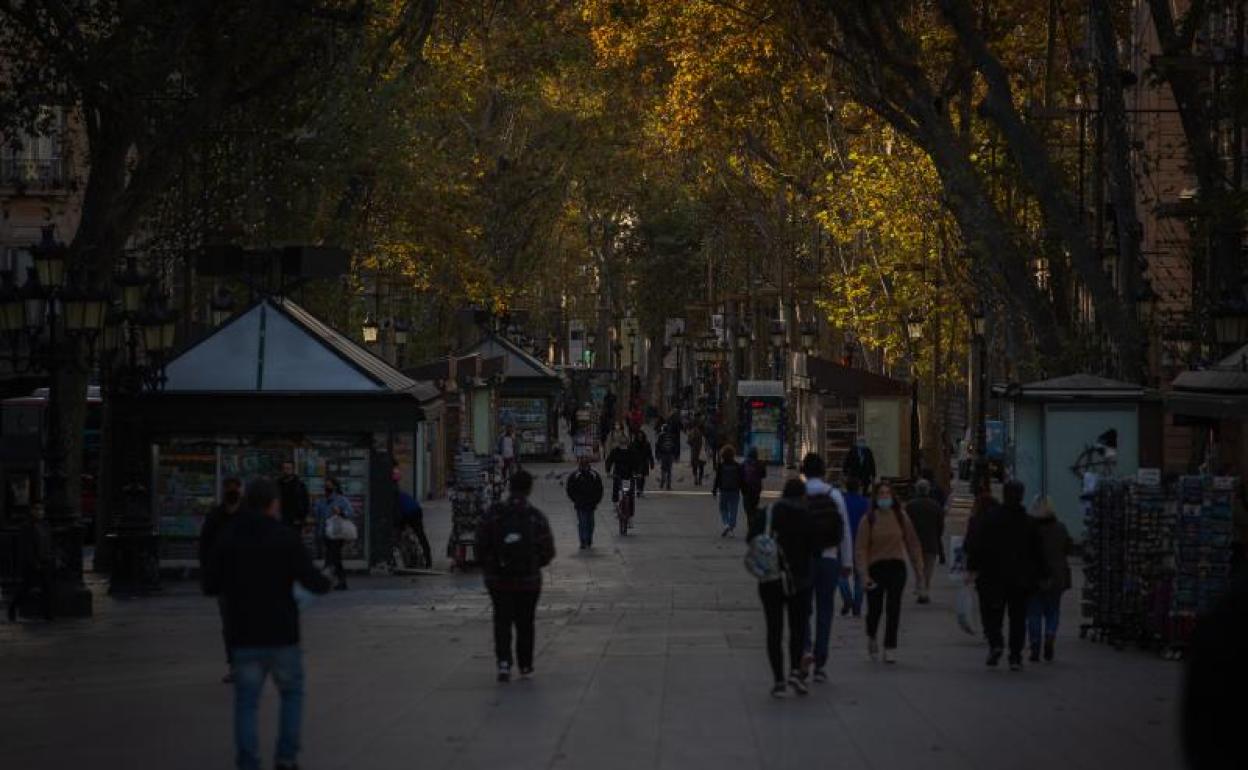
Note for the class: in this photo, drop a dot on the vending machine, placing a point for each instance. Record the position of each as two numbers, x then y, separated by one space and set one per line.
763 418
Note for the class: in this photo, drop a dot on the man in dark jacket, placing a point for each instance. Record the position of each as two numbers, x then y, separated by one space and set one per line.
296 504
860 464
622 463
928 517
1004 559
667 444
585 492
209 533
36 563
255 565
514 542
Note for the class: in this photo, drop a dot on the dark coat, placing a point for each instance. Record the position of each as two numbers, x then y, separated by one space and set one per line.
255 564
214 524
295 501
860 464
643 453
928 518
585 488
1003 549
794 530
727 477
623 462
1055 547
489 536
34 545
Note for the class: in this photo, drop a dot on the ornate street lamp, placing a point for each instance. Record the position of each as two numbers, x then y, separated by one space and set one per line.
809 331
222 306
370 330
743 336
914 327
49 259
11 306
777 333
132 284
1230 322
979 322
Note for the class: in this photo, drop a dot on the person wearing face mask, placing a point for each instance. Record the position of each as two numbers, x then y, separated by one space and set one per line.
886 538
214 524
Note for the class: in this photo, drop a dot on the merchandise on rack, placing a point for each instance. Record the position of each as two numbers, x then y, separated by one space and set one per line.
1155 558
476 488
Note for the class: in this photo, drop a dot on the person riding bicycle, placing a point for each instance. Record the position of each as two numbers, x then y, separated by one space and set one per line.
623 463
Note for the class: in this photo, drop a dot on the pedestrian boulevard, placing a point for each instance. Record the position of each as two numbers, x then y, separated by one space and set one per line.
650 655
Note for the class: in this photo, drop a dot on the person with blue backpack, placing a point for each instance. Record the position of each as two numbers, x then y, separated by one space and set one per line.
781 556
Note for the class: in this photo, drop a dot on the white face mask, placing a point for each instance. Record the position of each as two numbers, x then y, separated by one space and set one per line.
885 503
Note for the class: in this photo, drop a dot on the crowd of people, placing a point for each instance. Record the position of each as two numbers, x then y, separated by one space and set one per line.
855 540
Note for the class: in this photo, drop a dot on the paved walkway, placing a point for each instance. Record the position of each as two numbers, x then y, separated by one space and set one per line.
650 656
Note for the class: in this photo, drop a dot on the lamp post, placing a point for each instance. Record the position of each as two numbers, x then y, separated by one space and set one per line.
979 327
914 332
45 323
370 330
140 334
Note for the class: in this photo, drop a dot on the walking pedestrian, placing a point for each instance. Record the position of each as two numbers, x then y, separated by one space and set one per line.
835 559
331 510
793 529
668 445
850 585
937 493
255 565
296 502
1044 609
508 451
697 462
412 519
214 524
643 453
585 491
36 563
1005 563
753 472
727 487
514 543
860 463
928 517
885 539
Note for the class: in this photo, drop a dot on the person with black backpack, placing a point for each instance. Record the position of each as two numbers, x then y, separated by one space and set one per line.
514 542
835 555
753 471
784 581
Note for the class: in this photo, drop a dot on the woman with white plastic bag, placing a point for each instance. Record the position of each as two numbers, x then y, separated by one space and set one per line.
964 602
339 530
781 556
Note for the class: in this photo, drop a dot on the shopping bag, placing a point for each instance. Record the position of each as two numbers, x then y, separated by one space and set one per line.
965 606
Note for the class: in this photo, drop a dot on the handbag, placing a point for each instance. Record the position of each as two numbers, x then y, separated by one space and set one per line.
341 528
764 559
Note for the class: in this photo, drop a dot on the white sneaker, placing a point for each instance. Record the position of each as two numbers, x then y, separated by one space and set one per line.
873 648
888 656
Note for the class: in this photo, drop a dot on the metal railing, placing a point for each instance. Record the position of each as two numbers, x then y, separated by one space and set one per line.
32 173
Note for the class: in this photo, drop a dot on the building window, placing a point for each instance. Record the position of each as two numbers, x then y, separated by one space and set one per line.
36 160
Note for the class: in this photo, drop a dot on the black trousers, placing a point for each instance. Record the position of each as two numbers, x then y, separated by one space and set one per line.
514 608
775 605
32 579
889 577
333 559
417 525
994 602
225 629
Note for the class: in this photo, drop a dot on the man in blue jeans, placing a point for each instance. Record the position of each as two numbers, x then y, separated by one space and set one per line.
856 505
255 566
836 555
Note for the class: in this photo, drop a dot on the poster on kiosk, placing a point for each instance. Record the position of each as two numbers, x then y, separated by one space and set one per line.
762 418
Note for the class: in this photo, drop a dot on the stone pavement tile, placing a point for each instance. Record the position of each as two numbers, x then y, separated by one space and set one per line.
616 723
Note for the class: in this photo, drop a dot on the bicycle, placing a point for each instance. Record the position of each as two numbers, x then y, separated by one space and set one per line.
411 553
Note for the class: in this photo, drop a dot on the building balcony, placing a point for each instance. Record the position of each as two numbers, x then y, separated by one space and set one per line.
33 176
